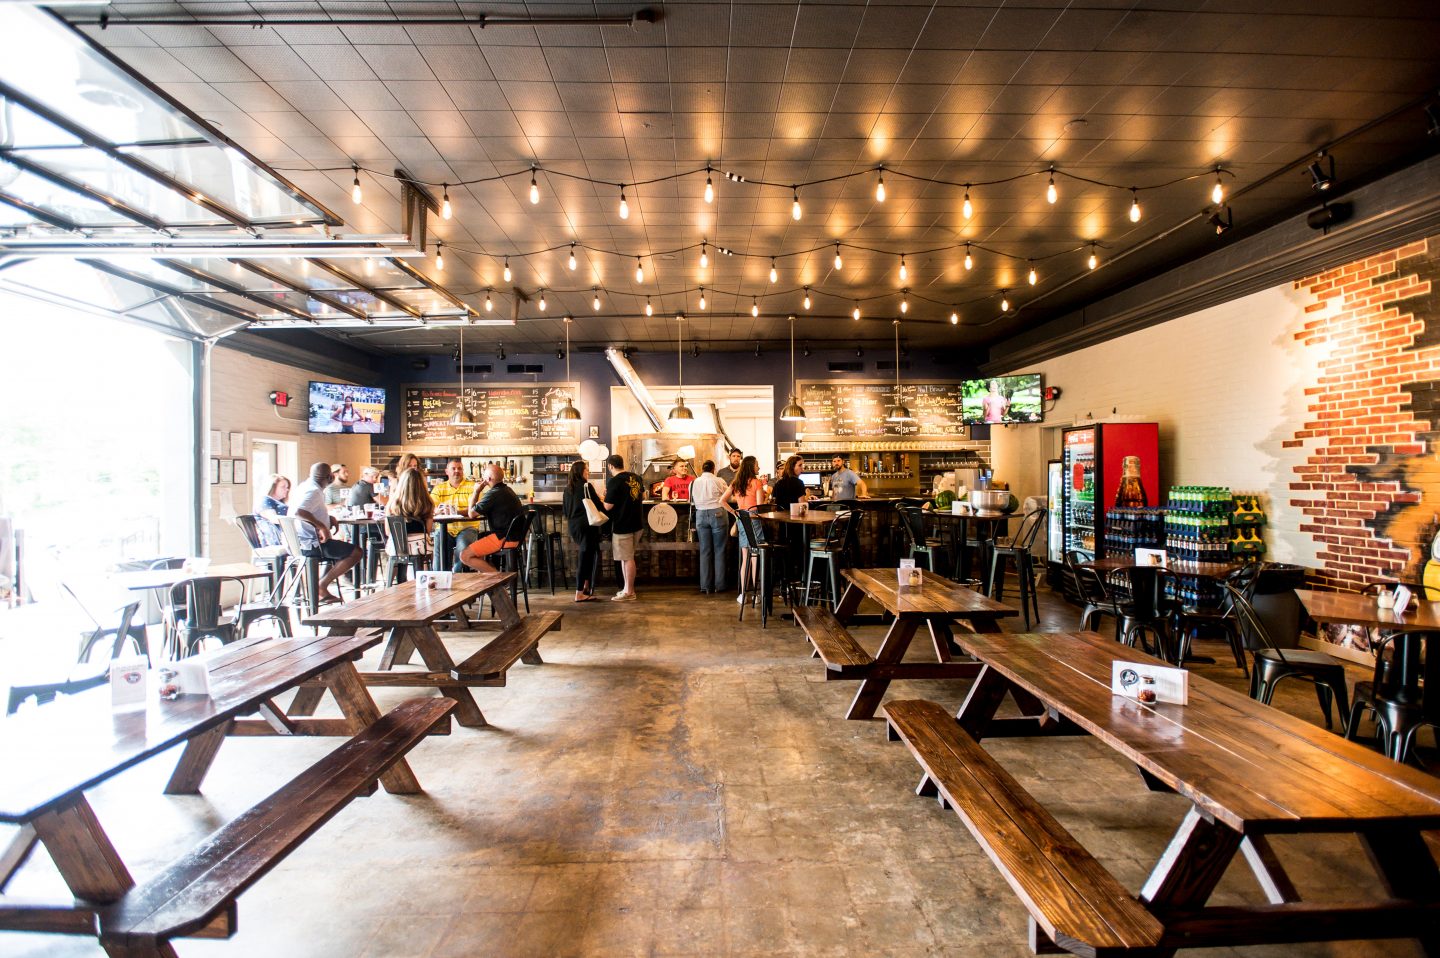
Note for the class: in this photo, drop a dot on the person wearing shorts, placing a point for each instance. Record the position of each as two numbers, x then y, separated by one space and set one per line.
623 493
317 531
498 503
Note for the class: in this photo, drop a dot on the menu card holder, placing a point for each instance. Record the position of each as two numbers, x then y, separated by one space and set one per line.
193 676
129 679
427 579
1149 683
1402 599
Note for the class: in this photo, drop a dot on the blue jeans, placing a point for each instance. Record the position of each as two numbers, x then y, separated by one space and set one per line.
713 528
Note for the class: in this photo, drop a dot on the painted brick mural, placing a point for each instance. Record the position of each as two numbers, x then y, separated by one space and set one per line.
1370 489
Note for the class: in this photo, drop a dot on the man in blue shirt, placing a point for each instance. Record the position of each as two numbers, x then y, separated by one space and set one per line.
845 483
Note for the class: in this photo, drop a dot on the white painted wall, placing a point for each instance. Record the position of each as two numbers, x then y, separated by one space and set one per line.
1226 387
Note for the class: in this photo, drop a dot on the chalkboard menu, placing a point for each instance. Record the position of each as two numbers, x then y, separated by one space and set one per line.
501 413
857 409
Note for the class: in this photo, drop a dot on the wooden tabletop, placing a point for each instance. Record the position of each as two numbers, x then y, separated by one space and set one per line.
1251 766
78 741
816 518
1206 570
358 520
966 516
937 596
404 605
164 578
445 520
1353 608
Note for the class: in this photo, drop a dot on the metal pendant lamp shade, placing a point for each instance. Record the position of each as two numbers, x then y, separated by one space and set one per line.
462 415
898 412
567 412
680 412
793 411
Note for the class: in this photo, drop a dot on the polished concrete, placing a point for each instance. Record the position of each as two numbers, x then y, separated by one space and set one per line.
671 782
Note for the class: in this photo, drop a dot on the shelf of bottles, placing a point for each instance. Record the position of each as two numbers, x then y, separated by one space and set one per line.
1247 542
1079 477
1197 529
1128 529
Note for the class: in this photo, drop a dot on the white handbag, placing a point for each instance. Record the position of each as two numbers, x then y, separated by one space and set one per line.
593 512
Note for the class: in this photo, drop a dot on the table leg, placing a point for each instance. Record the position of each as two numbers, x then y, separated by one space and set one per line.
961 530
1407 870
82 852
892 650
1191 866
15 852
1274 882
437 552
398 648
437 659
849 602
360 709
982 702
195 761
307 699
504 606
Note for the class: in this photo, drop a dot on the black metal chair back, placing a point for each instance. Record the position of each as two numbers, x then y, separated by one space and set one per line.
399 538
839 532
201 598
1147 592
912 525
1088 584
751 536
1029 531
1252 630
249 528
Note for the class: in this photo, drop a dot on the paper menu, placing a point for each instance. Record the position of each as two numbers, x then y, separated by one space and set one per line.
1135 679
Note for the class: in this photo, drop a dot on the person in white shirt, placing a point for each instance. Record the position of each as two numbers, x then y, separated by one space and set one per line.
711 525
317 531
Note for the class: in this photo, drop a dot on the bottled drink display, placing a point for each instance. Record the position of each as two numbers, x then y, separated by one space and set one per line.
1129 529
1197 523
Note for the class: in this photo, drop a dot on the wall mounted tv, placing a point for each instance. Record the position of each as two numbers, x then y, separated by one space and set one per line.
338 407
1002 399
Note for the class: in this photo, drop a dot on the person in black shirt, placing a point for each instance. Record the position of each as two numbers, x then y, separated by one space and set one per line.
623 493
498 503
789 488
582 533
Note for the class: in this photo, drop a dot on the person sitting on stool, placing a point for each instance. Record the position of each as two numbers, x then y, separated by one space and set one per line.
317 532
498 503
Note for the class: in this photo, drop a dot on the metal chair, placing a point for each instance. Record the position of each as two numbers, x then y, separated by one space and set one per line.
547 534
829 551
1018 548
1191 620
272 557
516 558
1148 612
399 557
204 616
755 549
131 629
81 678
1273 664
1404 665
1089 587
914 540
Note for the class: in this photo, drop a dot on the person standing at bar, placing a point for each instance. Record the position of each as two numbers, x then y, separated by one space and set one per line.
710 526
845 483
746 492
727 473
623 492
789 488
582 533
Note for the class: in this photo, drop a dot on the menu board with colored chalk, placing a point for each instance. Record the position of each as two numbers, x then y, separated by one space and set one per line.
519 413
856 409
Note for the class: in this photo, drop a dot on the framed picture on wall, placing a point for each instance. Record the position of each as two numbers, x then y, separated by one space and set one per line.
214 470
227 471
237 445
242 470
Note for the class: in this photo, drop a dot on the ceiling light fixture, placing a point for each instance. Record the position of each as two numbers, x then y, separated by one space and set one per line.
1222 220
639 271
571 262
439 257
704 256
534 188
507 274
839 263
355 195
969 260
899 412
793 412
1094 260
904 273
795 204
754 306
904 301
595 302
1134 205
1323 178
489 306
855 313
624 204
709 187
1217 192
649 309
1033 277
807 297
1051 194
954 317
446 210
462 415
702 299
680 412
567 412
880 185
1004 301
967 209
774 273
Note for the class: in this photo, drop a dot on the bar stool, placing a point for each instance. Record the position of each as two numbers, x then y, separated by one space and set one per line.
912 535
754 548
546 534
400 559
1018 549
828 550
271 556
516 558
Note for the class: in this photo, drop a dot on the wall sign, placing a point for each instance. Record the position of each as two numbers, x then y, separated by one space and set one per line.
856 409
501 413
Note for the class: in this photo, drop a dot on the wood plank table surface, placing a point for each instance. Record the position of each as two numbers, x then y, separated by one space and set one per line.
1351 608
408 616
1250 771
816 519
165 578
1205 570
937 605
54 754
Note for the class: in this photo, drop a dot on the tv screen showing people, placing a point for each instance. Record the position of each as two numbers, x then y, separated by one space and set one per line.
1002 399
338 407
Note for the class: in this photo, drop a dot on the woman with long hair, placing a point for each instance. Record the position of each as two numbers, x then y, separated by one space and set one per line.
409 460
411 501
745 492
582 533
274 504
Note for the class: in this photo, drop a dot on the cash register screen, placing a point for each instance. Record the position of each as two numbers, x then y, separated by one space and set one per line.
810 478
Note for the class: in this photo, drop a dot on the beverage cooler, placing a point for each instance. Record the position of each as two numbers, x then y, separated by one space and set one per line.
1104 466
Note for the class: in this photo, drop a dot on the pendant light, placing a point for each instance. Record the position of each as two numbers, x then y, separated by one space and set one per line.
793 412
681 412
462 415
567 412
898 412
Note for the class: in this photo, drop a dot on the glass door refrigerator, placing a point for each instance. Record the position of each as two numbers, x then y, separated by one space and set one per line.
1055 523
1092 464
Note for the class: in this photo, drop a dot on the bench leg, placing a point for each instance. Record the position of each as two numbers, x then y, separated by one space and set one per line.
892 650
195 761
532 655
139 949
15 852
82 852
1041 944
982 702
344 683
437 659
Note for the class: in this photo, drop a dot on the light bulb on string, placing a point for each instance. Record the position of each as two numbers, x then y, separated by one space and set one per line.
1217 192
838 262
969 260
534 188
904 273
807 297
856 311
639 271
1004 301
595 302
709 187
542 301
446 210
1134 206
754 306
624 205
649 310
507 274
369 266
1094 260
967 209
440 257
702 298
795 205
1033 277
1051 194
880 186
489 306
355 195
571 262
954 317
774 273
704 257
905 301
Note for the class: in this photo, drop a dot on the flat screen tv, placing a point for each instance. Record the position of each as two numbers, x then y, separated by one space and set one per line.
1002 399
338 407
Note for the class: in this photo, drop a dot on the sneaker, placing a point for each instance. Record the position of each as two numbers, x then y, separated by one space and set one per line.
740 599
623 597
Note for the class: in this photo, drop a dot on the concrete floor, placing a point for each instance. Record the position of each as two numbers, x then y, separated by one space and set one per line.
671 782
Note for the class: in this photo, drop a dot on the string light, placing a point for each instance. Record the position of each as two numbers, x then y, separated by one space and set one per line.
439 257
639 271
369 266
649 310
967 210
838 262
709 187
954 318
880 186
1217 192
905 301
542 301
1134 206
1094 260
1004 301
1033 276
596 301
488 305
856 311
774 273
704 256
446 211
355 195
904 273
807 297
754 306
702 298
508 274
534 188
624 205
795 204
1051 194
571 262
969 260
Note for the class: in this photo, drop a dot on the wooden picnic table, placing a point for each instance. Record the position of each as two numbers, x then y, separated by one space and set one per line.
1250 771
408 615
54 754
938 604
142 579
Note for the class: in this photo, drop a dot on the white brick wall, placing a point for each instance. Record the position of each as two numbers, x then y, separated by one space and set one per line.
240 386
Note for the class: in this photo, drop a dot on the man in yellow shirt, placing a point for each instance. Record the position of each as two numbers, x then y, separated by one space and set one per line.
455 492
